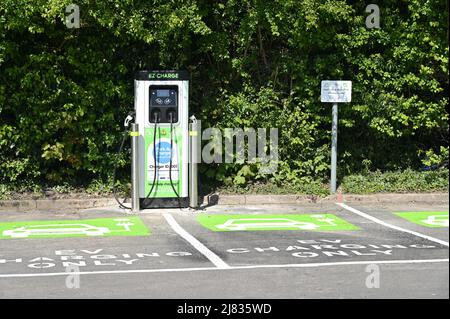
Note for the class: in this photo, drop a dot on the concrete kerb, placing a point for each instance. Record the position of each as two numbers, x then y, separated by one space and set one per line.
217 199
287 199
53 204
18 205
437 198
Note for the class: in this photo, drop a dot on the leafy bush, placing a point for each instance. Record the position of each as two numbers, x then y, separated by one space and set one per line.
64 92
4 192
406 181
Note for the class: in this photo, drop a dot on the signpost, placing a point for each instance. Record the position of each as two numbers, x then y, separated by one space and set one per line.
335 92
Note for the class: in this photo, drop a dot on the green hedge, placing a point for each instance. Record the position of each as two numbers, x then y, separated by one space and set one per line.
64 92
406 181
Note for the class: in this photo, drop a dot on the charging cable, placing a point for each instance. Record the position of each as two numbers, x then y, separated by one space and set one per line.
170 164
126 124
154 155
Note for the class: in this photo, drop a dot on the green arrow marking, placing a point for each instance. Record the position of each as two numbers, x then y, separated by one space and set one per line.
102 227
311 222
428 219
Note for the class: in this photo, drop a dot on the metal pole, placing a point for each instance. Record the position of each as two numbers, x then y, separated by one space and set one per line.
334 132
193 160
134 134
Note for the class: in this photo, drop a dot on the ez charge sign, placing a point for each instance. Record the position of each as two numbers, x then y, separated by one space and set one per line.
167 75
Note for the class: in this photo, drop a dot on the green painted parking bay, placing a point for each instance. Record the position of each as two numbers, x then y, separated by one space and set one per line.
302 222
101 227
427 219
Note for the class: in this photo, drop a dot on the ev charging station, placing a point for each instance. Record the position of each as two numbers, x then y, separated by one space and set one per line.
161 175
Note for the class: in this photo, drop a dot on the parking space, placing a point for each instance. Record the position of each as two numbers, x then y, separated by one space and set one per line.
231 251
159 249
410 217
353 238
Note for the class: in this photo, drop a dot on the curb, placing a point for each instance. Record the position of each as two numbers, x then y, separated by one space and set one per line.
216 199
52 204
441 198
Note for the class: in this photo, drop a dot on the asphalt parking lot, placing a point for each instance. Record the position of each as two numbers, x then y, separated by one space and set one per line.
270 251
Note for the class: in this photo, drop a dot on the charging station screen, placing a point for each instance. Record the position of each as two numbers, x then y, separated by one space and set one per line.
162 93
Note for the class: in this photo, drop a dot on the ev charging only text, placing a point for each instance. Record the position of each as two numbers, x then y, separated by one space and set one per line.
92 257
301 249
330 248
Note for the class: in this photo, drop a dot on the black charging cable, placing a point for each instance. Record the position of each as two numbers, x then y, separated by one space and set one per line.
154 155
170 164
125 134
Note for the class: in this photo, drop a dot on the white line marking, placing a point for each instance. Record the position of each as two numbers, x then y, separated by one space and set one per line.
306 265
219 263
378 221
343 263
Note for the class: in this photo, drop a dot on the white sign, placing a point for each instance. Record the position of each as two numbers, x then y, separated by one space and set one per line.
336 91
